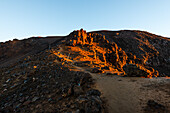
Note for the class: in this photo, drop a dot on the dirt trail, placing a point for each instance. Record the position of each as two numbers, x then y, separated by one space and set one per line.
120 94
129 94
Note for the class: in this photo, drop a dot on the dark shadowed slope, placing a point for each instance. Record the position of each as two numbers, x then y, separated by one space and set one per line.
12 51
40 83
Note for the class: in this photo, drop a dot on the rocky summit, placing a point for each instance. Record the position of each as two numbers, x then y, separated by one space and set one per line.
54 74
108 54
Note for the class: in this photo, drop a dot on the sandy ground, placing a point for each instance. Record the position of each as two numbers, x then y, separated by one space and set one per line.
130 95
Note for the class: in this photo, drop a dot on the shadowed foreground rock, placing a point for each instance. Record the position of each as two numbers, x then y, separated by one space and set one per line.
38 84
154 107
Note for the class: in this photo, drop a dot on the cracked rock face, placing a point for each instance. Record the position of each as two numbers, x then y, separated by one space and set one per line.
150 49
125 51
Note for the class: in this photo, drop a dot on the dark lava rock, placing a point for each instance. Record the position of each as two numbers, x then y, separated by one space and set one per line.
94 92
45 86
96 70
77 90
133 70
154 107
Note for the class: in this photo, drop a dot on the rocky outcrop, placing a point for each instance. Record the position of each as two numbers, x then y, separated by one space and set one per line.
148 49
133 70
115 48
153 106
80 37
111 54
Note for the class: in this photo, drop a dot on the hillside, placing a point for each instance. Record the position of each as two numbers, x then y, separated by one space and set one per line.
12 51
94 72
145 48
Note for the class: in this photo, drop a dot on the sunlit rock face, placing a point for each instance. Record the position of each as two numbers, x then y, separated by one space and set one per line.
80 37
95 51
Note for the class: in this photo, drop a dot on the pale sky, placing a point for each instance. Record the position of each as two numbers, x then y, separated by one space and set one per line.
25 18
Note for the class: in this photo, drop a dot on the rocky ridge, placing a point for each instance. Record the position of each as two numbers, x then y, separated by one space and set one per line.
101 55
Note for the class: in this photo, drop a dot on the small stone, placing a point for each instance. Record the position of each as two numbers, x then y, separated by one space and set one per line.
72 106
60 98
50 99
77 90
8 80
68 106
38 106
20 94
153 104
77 111
22 100
25 81
96 70
70 91
17 106
4 90
26 102
109 74
35 98
94 92
4 85
33 79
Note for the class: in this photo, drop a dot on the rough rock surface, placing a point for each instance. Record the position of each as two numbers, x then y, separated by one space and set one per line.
151 49
40 84
114 52
47 80
154 107
116 47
